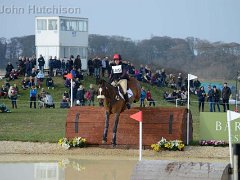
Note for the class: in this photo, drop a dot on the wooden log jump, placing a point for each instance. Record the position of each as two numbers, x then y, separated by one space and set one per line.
88 122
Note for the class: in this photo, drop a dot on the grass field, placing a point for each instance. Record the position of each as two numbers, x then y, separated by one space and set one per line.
48 125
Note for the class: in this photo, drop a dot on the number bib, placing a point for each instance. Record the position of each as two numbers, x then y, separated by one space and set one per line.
117 69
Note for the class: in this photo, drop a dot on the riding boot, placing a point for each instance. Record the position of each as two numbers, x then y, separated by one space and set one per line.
113 142
104 140
127 101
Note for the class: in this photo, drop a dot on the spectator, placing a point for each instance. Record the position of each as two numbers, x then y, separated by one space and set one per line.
9 68
67 96
104 66
196 84
149 98
63 65
97 64
78 63
179 81
49 82
64 103
80 96
50 64
201 98
40 77
4 91
25 83
41 63
31 82
33 96
13 75
3 108
90 67
142 97
216 98
92 92
12 94
226 93
210 98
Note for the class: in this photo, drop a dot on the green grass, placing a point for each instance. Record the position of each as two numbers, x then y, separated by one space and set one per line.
48 125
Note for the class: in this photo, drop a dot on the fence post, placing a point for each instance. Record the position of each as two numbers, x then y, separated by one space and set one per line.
236 163
176 102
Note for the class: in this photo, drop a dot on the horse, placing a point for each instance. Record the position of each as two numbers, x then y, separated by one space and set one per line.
114 103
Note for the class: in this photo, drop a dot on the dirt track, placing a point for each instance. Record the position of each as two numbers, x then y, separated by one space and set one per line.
28 151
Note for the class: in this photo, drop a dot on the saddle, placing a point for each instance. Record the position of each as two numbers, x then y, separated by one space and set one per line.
120 93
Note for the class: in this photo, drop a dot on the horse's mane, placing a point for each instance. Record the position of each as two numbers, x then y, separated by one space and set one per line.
111 89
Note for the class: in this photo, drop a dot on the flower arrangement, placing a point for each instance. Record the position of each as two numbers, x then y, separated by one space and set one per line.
75 142
213 143
163 144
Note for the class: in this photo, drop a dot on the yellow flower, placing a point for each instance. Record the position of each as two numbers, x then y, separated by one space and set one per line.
60 141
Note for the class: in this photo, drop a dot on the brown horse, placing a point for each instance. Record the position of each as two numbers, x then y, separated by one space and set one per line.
114 103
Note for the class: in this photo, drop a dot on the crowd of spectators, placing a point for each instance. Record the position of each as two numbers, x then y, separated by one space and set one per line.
33 76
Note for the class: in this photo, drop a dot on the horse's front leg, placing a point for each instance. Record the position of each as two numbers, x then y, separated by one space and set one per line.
115 129
105 132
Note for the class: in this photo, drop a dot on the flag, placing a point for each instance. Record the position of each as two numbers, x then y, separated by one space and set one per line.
137 116
69 76
231 115
190 77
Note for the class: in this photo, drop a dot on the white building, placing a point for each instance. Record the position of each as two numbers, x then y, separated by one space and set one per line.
61 36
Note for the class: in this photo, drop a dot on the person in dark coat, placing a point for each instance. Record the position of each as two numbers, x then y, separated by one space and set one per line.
119 76
226 93
80 95
201 98
41 63
9 69
216 98
78 63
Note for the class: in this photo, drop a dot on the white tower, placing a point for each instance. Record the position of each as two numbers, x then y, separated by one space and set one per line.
61 36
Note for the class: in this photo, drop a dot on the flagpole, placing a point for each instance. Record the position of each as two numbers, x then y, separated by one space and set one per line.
71 92
188 111
229 137
140 141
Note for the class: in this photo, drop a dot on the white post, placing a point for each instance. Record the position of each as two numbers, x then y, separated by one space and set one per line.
176 102
140 141
71 92
229 137
188 111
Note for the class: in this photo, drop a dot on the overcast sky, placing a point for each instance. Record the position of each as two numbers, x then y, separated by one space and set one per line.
213 20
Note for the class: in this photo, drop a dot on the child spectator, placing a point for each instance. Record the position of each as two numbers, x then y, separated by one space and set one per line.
92 92
33 96
12 94
150 99
142 97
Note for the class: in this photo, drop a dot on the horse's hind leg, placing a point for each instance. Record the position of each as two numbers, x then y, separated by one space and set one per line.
114 138
104 140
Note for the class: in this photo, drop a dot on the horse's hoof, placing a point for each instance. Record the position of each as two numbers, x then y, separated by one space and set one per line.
114 145
104 141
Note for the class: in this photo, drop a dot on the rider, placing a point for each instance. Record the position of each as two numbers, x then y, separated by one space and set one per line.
119 76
